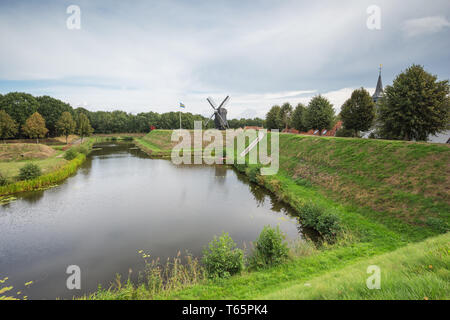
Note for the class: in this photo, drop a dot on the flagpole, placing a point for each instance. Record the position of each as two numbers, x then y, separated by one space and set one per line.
180 119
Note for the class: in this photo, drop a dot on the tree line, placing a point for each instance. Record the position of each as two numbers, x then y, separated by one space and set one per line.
414 107
23 115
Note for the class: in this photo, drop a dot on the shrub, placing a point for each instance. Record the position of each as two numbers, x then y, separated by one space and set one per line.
222 259
437 224
83 150
254 172
240 167
3 180
127 138
29 171
70 154
327 224
270 249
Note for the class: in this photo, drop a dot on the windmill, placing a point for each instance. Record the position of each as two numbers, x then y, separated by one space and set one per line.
220 113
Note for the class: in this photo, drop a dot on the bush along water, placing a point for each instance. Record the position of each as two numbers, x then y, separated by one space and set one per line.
29 171
222 258
270 249
70 154
327 224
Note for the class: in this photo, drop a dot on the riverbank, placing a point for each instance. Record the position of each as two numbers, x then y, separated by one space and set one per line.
55 167
387 194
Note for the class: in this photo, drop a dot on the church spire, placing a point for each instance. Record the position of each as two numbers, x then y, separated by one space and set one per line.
379 90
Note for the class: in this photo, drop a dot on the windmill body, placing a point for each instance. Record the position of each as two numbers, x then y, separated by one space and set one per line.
220 114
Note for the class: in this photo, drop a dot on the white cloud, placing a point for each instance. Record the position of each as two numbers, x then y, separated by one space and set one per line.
425 26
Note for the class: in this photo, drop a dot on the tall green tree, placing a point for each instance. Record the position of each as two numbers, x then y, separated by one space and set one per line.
320 114
8 127
51 110
273 120
299 118
286 115
66 125
84 126
358 112
415 106
20 106
34 127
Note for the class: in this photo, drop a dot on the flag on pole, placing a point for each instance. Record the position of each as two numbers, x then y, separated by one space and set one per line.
182 105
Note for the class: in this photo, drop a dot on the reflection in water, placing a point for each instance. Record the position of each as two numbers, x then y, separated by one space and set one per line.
220 171
119 202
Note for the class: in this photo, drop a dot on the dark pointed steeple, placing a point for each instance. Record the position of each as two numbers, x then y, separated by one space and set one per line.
379 90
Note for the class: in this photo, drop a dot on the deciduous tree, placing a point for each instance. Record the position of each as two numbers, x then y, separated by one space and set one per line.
286 115
8 127
65 125
273 120
84 126
299 118
320 113
415 106
34 127
358 112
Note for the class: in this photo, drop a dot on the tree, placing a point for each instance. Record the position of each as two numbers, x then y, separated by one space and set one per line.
34 127
84 126
320 114
51 110
415 106
65 125
358 112
8 127
20 106
285 115
273 120
298 118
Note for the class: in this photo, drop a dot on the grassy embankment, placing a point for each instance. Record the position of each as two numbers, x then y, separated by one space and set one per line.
389 195
50 160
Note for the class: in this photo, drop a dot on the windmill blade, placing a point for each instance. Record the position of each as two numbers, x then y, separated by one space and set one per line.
212 103
224 102
206 124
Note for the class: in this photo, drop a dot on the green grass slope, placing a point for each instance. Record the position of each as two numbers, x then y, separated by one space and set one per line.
417 271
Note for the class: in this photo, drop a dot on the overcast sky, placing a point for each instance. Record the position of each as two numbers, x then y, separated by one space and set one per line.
139 56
